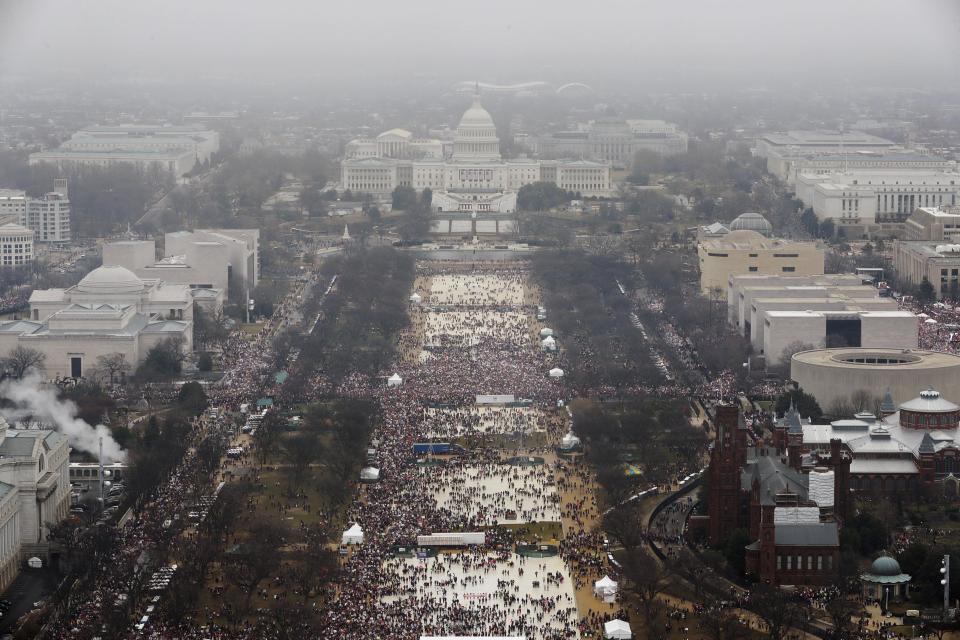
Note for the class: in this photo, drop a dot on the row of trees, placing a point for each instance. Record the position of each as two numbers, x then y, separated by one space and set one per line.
361 316
102 199
592 319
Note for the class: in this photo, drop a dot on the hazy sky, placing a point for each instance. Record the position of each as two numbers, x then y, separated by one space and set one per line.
687 42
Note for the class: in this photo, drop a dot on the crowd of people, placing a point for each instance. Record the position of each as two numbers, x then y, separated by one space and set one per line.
443 422
393 598
94 600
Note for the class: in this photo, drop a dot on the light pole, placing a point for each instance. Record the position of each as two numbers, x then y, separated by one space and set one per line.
100 461
945 581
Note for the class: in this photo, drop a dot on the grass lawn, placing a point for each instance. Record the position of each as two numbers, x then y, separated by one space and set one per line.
251 329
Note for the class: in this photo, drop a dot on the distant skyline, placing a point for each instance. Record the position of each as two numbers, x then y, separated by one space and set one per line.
689 45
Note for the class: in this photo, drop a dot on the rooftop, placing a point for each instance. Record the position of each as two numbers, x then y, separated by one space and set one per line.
825 138
747 239
823 534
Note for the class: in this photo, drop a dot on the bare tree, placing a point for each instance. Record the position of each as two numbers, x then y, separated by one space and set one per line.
113 365
793 347
646 579
721 623
862 400
624 524
778 611
255 559
301 451
841 609
23 360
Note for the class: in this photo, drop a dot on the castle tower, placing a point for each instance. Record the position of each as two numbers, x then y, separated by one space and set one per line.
726 461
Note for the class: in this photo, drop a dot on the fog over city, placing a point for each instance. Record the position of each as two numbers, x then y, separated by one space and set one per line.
488 320
691 45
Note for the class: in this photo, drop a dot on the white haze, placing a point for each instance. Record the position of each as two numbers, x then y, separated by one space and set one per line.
693 44
32 400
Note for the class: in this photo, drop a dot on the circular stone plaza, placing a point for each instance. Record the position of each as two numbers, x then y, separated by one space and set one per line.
834 374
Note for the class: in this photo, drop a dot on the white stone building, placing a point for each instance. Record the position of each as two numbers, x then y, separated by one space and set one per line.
174 149
16 245
109 311
47 216
834 310
204 264
868 201
853 328
34 493
870 161
239 249
933 223
610 140
781 150
472 178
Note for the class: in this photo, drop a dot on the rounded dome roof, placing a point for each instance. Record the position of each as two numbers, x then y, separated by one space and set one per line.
751 221
929 402
110 279
476 117
885 566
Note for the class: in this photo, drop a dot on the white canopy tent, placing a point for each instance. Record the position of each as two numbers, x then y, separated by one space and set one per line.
548 344
546 332
606 589
369 474
930 321
619 629
415 298
395 380
35 562
353 535
556 372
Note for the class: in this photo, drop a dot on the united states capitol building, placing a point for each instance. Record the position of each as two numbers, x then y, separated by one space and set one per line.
469 177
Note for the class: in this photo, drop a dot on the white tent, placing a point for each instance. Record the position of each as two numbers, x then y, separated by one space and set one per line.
353 535
930 321
545 332
922 315
369 474
415 298
617 629
34 562
548 344
606 589
395 380
556 372
569 442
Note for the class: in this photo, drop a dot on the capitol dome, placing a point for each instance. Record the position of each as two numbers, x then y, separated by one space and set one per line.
751 222
476 117
476 141
109 280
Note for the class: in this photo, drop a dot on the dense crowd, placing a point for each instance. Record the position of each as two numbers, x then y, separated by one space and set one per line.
248 361
386 597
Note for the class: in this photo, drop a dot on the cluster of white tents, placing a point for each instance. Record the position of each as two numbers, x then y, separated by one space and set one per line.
606 589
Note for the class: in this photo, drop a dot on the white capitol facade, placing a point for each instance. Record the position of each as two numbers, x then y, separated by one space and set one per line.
472 177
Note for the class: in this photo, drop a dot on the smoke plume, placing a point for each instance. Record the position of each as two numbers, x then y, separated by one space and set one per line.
31 400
